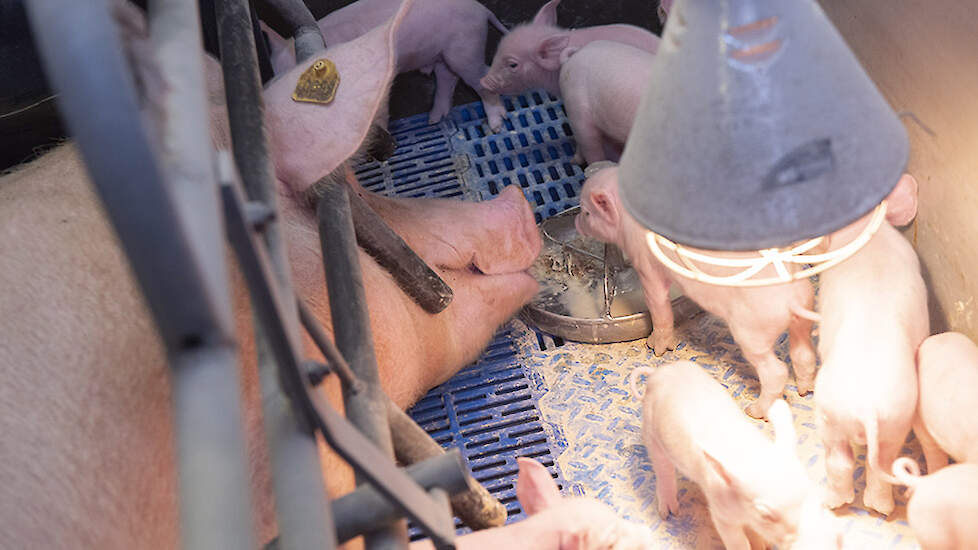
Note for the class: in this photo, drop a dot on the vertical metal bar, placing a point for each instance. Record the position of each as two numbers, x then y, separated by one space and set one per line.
367 409
188 159
173 268
265 71
300 499
215 509
246 114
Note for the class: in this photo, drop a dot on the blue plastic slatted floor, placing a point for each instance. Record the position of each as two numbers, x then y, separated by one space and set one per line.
489 409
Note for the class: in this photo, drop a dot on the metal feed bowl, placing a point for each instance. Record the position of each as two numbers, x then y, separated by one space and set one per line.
588 293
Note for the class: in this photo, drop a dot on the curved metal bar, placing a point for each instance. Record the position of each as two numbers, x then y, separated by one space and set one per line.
365 509
301 25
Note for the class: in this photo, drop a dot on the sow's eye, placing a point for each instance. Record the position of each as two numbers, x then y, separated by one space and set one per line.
513 64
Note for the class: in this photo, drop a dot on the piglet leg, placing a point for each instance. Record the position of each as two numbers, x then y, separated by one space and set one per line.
839 465
665 479
731 533
879 492
466 61
802 353
590 144
935 456
655 287
445 81
771 371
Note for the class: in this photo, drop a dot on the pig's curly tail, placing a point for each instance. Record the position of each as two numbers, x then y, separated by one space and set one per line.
634 376
871 426
907 471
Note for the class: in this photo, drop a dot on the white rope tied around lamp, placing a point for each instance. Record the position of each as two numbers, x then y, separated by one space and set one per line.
780 258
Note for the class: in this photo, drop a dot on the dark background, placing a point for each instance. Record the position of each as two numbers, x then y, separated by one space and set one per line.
29 124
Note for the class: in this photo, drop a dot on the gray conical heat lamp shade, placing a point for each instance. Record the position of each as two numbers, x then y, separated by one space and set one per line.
759 128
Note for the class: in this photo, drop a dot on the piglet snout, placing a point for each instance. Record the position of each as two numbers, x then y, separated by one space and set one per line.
488 84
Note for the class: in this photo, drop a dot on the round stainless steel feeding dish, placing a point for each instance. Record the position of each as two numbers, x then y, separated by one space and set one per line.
588 292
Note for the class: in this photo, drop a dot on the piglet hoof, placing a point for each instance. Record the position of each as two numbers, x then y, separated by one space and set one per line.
660 343
495 115
665 506
804 388
437 113
578 159
755 410
881 502
834 500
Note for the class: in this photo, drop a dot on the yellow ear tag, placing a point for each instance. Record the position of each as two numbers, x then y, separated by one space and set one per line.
318 84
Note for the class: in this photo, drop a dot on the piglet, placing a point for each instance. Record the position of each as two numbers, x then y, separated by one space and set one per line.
945 424
757 316
944 505
447 37
555 523
531 54
601 86
874 316
751 484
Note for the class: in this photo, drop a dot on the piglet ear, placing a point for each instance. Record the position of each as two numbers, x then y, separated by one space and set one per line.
721 472
535 489
766 511
576 540
603 205
550 49
547 14
901 204
784 429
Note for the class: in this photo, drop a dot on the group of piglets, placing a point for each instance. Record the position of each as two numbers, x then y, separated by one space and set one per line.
599 73
880 376
531 56
872 313
944 504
